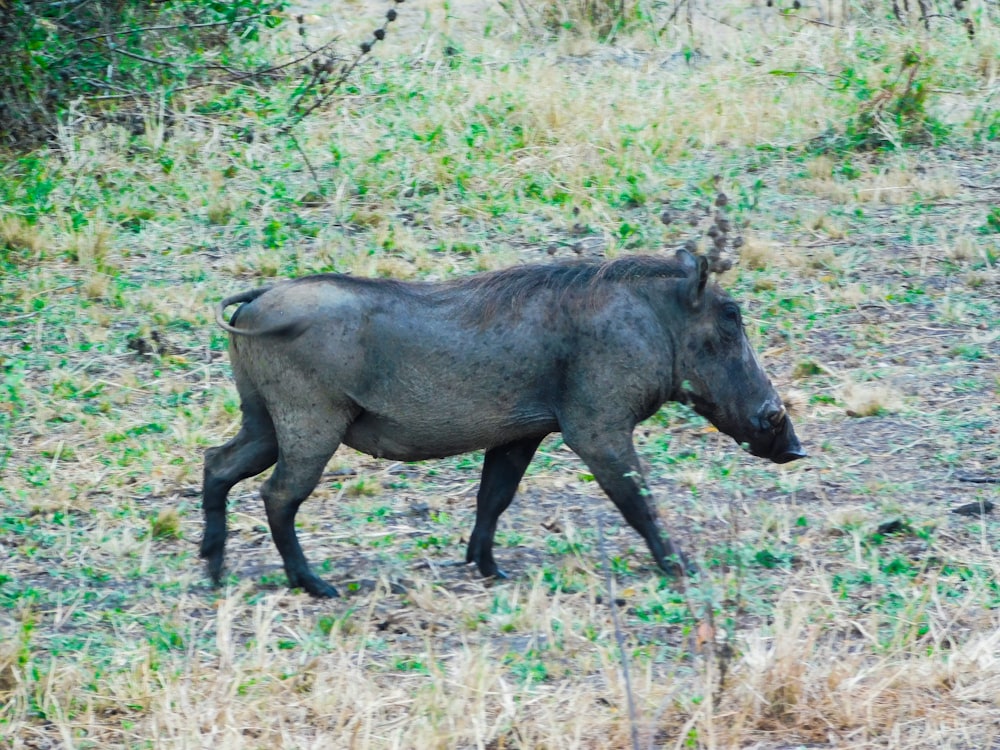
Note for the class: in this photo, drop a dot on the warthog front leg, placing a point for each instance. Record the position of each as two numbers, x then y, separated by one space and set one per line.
615 466
503 468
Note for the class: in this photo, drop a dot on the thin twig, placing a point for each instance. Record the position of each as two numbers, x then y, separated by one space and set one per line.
142 29
977 480
324 96
234 76
619 635
142 58
818 22
274 68
74 9
677 8
305 158
721 22
140 94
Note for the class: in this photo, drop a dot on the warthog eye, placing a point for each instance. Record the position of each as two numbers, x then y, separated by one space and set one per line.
731 315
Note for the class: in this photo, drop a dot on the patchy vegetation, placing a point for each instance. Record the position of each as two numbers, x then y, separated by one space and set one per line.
109 54
841 605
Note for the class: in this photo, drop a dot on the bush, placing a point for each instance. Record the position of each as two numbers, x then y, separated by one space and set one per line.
107 51
895 112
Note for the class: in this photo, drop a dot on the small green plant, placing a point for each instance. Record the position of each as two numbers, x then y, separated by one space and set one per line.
992 224
806 368
527 667
363 487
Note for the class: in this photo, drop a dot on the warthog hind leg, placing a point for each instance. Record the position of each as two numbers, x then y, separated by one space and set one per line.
301 459
503 468
254 449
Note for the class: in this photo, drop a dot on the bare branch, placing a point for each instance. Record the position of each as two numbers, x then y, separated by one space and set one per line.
619 635
170 27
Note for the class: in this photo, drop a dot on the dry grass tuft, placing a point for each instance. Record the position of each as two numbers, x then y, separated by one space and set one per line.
20 240
870 399
89 247
887 185
827 226
166 525
761 254
796 402
220 211
96 286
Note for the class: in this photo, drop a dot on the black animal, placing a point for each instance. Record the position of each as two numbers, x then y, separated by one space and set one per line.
497 361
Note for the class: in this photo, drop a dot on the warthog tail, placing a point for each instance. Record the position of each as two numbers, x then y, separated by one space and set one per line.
293 327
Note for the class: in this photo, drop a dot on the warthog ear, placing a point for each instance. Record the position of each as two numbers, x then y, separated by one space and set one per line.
697 268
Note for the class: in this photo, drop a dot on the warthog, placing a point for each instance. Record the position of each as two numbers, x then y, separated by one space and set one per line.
496 361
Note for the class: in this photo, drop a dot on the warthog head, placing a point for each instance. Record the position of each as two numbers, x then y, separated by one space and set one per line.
719 375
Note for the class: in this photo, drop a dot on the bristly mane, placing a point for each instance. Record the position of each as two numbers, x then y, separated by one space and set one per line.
488 293
518 281
485 295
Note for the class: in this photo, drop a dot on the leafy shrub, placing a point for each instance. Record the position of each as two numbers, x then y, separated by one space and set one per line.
891 112
895 111
106 51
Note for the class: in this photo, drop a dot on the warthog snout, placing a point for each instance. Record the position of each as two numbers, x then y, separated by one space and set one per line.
776 440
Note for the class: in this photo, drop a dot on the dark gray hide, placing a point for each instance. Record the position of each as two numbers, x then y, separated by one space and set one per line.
410 371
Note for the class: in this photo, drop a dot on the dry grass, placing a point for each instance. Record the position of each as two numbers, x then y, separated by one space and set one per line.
871 399
849 608
406 673
883 184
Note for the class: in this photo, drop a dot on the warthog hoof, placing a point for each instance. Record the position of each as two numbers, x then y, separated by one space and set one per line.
314 586
677 564
213 555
